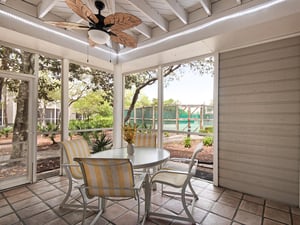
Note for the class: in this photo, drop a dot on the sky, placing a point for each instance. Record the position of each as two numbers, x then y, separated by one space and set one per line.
190 89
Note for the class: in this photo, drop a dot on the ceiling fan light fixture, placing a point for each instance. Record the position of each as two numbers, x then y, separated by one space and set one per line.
98 36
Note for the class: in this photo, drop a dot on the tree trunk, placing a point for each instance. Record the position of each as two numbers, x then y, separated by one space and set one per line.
20 128
4 105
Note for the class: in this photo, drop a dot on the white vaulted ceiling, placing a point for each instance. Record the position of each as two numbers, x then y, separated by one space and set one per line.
171 30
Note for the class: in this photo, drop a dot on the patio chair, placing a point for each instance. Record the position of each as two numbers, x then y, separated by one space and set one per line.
71 149
178 176
145 140
109 179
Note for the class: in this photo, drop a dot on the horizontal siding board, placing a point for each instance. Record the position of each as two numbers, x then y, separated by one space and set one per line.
266 87
261 171
257 190
269 55
260 150
260 129
278 75
264 66
260 48
264 161
284 108
273 97
272 184
259 120
247 139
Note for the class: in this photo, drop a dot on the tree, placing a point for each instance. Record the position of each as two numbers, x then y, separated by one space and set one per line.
92 103
47 87
172 72
20 128
91 79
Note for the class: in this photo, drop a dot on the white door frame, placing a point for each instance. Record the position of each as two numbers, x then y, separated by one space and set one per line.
32 136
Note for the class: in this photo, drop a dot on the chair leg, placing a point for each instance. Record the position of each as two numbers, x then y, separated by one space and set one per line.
193 191
101 208
62 204
183 200
84 199
138 216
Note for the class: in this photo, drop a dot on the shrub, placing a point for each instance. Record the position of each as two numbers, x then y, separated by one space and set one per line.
5 131
187 142
102 143
49 130
207 130
208 141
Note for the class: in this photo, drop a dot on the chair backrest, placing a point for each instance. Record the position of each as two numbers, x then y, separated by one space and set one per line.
106 178
145 140
75 148
197 150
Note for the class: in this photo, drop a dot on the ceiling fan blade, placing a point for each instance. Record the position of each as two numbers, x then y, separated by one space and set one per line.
123 38
121 21
82 10
68 25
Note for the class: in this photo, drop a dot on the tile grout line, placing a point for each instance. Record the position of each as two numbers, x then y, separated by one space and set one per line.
51 208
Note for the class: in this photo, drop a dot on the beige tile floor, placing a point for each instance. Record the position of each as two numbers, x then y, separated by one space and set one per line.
38 204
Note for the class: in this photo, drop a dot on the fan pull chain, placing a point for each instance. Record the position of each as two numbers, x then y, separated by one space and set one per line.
87 54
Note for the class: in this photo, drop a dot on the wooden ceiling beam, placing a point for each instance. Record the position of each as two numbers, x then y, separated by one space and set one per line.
178 10
142 28
75 18
153 15
44 7
206 4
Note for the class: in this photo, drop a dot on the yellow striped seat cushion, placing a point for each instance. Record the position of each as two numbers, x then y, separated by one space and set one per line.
108 177
145 140
76 148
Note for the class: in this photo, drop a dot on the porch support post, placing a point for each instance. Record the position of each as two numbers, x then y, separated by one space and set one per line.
160 107
216 122
64 107
33 119
118 106
65 100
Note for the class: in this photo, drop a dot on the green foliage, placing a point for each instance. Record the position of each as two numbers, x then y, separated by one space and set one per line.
5 131
93 104
102 143
208 141
87 79
166 134
94 122
207 130
49 131
102 122
187 142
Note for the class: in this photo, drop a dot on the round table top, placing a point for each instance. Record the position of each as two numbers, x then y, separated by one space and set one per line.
143 157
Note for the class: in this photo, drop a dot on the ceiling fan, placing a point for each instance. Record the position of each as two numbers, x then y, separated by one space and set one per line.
100 28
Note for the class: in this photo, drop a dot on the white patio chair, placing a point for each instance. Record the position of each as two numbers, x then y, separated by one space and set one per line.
71 149
109 179
179 177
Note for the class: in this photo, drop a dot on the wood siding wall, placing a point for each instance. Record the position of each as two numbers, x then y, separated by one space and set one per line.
259 120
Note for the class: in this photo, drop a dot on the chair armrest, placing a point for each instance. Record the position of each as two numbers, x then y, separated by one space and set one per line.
139 179
183 160
171 177
171 172
69 165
